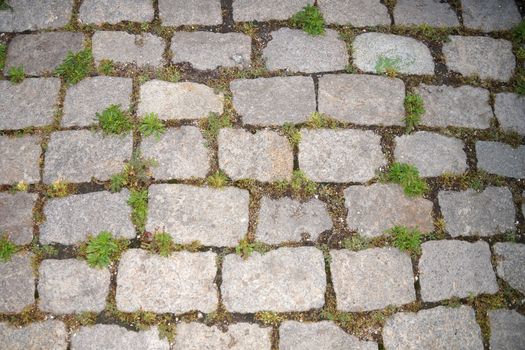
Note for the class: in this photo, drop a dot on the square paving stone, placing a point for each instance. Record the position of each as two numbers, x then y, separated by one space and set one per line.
274 101
358 13
17 284
510 258
252 10
16 216
78 156
93 95
48 334
507 330
106 336
115 11
490 15
429 12
33 15
190 12
510 111
20 159
33 102
501 159
215 217
449 269
282 280
179 283
41 53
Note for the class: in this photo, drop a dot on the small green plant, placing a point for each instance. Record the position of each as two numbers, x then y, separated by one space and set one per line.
106 67
162 244
217 179
518 33
113 120
138 201
407 176
16 74
292 134
76 66
269 318
135 175
344 318
519 86
300 183
151 125
407 239
7 248
58 189
350 69
20 187
101 250
3 54
4 5
388 66
520 53
414 109
356 243
319 120
213 124
245 248
310 20
171 74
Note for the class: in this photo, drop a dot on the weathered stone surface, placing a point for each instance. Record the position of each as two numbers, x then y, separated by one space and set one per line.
30 103
507 330
274 101
49 334
410 56
239 336
484 57
20 159
340 155
510 111
265 156
115 11
510 259
287 220
282 280
437 328
372 279
188 12
464 106
180 283
206 50
16 216
71 286
120 47
362 99
179 154
179 100
105 336
490 15
455 269
501 159
17 284
297 51
374 209
93 95
432 154
77 156
41 53
431 12
358 13
217 217
251 10
33 15
70 220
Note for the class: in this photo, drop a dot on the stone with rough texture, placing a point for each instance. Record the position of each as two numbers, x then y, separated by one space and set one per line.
179 100
206 50
93 95
41 53
20 159
215 217
190 12
510 259
434 13
432 154
179 154
16 216
376 208
437 328
510 111
179 283
17 284
30 103
239 336
358 13
287 220
362 99
453 268
71 286
264 156
297 51
252 10
480 56
274 101
48 334
501 159
105 336
507 330
115 11
340 155
33 15
490 15
371 279
409 55
282 280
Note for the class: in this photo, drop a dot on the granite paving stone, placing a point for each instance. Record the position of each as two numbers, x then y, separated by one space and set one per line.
358 13
429 12
50 334
17 284
510 258
510 111
106 336
20 159
16 216
33 15
115 11
501 159
507 330
190 12
251 10
490 15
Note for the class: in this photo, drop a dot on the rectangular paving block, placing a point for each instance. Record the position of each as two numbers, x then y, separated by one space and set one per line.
106 336
115 11
425 12
215 217
506 329
490 15
33 15
282 280
190 12
50 334
16 216
501 159
510 111
179 283
20 159
252 10
358 13
510 259
17 284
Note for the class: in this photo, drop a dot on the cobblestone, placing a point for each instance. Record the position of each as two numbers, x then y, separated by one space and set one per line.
20 159
510 258
50 334
358 13
190 12
251 10
105 336
506 330
425 12
510 111
115 11
501 159
33 15
16 216
490 15
17 284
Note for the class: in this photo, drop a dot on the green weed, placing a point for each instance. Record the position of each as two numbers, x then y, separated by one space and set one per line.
16 74
135 175
138 201
310 20
4 5
520 53
407 176
162 244
407 239
103 249
414 109
356 243
171 74
20 187
245 248
269 318
7 248
292 134
519 86
113 120
319 120
76 66
152 125
213 124
58 189
3 54
217 179
387 66
343 318
106 67
299 185
518 33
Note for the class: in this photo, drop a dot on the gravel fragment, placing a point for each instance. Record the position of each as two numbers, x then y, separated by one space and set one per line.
105 336
50 334
17 284
20 159
252 10
490 15
507 330
425 12
510 111
33 15
358 13
190 12
510 259
501 159
16 216
115 11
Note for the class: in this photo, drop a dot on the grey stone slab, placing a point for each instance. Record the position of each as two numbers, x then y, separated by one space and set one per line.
282 280
105 336
265 156
327 155
239 336
93 95
217 217
453 268
179 153
207 50
179 100
432 154
251 10
464 106
41 53
507 330
20 159
430 12
190 12
410 55
16 216
376 208
33 15
297 51
510 111
480 56
358 13
115 11
501 159
50 334
31 103
510 259
78 156
17 284
63 287
490 15
437 328
362 99
179 283
120 47
274 101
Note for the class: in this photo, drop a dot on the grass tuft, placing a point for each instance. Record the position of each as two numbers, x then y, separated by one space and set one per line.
7 248
299 185
217 179
106 67
292 133
414 109
151 125
269 318
20 187
161 243
138 201
135 175
3 54
113 120
388 66
406 239
245 248
319 120
103 249
309 19
171 74
407 176
213 124
518 33
356 243
76 66
519 86
58 189
16 74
